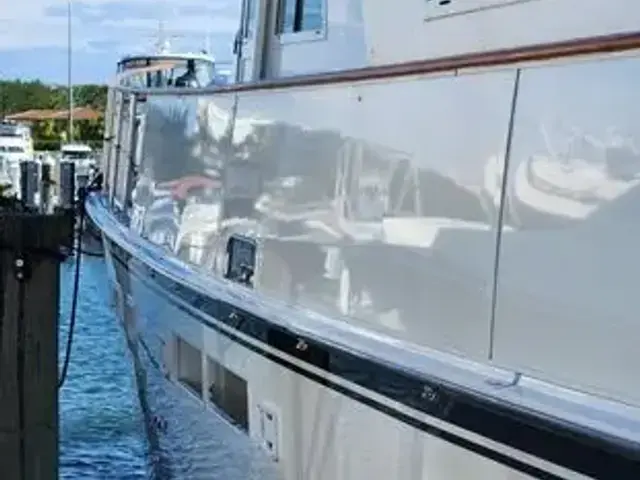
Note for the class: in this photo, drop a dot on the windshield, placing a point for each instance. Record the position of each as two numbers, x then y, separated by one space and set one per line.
162 73
200 73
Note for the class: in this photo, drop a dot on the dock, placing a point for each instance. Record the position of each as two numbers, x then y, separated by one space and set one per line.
33 243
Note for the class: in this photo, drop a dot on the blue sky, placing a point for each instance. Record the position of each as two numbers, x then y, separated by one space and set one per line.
33 34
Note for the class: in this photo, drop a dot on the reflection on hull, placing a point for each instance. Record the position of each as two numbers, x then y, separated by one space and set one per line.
308 404
548 193
319 275
323 431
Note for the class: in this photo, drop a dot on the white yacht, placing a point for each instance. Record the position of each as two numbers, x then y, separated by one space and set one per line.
319 257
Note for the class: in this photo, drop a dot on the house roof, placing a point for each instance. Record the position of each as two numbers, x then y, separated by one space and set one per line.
79 113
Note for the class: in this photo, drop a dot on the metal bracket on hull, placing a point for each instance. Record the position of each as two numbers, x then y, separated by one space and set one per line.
241 264
269 430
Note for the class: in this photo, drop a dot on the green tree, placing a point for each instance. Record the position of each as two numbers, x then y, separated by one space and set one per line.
17 96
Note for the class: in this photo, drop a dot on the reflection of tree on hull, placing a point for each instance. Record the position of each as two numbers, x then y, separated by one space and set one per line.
167 147
175 166
294 174
312 199
281 183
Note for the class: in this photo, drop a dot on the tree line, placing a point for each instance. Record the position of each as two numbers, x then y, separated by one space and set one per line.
18 96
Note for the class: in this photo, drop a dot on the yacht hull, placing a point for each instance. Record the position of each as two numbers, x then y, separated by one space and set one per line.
330 265
316 410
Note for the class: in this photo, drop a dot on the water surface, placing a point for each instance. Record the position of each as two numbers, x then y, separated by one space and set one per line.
101 430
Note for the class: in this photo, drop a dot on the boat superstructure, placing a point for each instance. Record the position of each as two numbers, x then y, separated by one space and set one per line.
166 69
377 252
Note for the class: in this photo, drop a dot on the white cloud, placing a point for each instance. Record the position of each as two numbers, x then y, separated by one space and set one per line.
105 24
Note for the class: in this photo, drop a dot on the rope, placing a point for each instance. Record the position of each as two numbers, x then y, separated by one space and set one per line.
76 280
74 299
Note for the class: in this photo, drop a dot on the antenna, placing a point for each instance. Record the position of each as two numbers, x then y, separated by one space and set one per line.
207 44
69 77
162 42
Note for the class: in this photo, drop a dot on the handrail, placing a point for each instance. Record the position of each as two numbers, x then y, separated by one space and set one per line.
546 51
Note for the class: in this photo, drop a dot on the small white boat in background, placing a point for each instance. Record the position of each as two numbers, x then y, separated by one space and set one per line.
84 159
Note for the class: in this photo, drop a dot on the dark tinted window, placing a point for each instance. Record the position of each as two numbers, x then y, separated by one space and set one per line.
301 15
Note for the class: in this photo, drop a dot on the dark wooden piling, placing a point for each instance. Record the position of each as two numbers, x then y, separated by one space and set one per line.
28 182
30 243
67 184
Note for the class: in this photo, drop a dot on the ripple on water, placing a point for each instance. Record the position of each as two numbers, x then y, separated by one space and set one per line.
101 434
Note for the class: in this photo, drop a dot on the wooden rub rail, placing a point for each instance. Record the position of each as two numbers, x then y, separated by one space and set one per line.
532 53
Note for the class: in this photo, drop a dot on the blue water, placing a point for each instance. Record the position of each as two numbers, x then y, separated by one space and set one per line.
102 434
101 428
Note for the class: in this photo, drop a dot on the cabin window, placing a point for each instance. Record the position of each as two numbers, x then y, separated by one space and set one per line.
135 154
229 393
189 366
125 142
114 147
296 16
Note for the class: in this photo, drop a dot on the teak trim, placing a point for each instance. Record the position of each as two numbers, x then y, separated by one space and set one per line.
541 52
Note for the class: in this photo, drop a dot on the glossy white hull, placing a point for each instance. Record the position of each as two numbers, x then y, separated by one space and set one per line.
355 271
321 433
306 418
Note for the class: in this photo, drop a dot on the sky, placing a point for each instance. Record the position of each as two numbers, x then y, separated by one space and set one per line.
33 34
